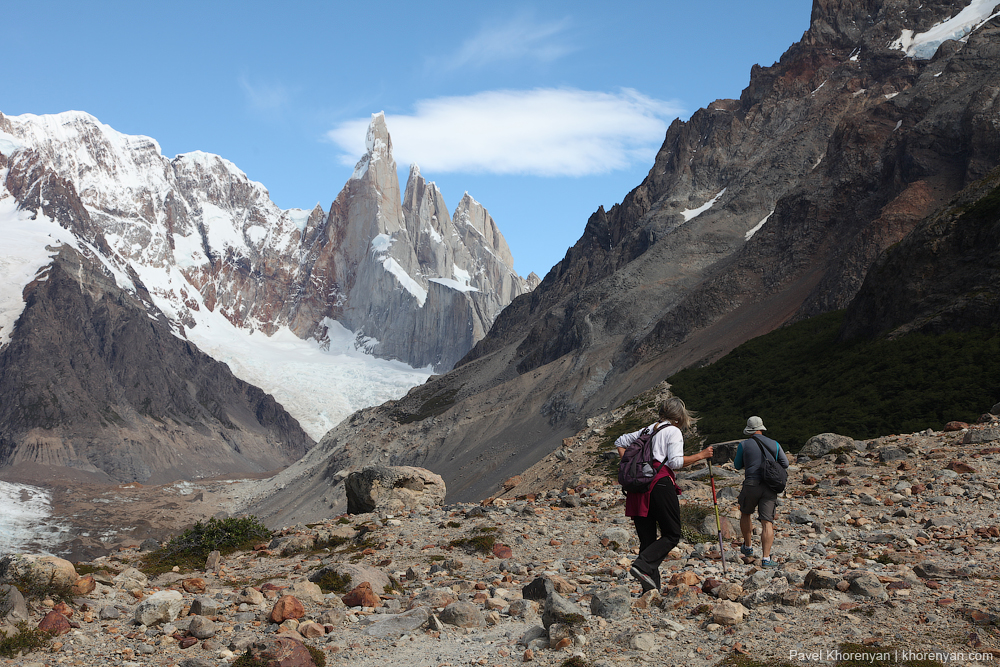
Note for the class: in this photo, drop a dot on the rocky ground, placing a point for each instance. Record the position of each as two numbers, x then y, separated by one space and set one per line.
891 547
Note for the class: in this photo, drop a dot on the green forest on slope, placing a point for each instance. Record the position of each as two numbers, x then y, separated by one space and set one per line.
801 381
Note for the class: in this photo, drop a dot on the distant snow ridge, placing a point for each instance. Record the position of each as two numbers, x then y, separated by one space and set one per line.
924 45
292 299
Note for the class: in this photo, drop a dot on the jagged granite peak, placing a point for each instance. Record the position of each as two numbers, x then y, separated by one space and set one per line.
756 212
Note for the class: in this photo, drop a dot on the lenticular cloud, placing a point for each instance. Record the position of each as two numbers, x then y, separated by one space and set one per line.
548 132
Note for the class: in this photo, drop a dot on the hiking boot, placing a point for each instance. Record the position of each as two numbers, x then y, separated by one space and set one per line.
645 580
769 563
746 551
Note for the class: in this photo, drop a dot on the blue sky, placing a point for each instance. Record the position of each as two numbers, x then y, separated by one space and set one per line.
541 111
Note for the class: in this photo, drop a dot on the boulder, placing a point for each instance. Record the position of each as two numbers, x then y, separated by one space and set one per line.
13 608
204 606
285 608
392 488
560 610
463 615
160 607
824 443
279 651
55 623
45 570
432 597
981 435
307 590
362 595
201 627
130 579
728 612
822 579
612 604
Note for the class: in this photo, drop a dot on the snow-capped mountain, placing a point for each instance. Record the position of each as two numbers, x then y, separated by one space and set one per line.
328 311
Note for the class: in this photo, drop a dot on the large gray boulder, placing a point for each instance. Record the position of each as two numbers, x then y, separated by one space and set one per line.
824 443
392 489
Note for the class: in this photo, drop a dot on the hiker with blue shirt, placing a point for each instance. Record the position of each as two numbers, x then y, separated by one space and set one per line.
754 494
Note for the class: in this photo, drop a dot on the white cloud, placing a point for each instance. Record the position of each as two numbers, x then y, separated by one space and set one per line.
519 38
542 132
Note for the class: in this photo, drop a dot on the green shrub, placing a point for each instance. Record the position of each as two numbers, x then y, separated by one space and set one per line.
26 640
334 582
190 549
34 587
481 543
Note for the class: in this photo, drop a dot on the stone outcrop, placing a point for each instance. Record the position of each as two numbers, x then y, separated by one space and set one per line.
392 489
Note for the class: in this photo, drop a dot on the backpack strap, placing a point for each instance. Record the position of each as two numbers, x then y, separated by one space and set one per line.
763 448
657 428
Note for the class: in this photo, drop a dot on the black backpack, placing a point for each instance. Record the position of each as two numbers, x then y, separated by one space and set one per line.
771 473
635 470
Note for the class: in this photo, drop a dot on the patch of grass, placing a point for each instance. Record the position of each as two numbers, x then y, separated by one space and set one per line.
478 543
317 655
692 516
863 389
486 529
453 524
575 661
190 549
334 582
24 641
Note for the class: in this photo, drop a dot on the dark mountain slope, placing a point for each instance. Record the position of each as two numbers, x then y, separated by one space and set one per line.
92 387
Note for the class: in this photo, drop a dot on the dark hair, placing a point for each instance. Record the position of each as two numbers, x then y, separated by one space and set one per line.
674 409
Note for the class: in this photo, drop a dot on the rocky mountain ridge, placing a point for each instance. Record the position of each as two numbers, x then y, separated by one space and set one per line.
204 252
758 211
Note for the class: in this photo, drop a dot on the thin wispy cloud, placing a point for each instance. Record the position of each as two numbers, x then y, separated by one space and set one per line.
520 38
267 98
542 132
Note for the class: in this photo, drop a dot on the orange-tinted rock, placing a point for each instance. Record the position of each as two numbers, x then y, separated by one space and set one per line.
54 622
955 426
362 596
64 609
285 608
194 585
502 551
960 467
84 585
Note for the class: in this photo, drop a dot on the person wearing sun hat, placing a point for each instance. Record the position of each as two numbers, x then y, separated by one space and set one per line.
755 495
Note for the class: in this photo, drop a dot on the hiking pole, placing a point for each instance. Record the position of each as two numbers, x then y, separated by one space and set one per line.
718 523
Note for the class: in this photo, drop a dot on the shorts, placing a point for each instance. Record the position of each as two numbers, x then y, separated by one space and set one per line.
756 496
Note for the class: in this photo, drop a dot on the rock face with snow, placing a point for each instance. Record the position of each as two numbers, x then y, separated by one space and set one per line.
757 211
425 287
196 247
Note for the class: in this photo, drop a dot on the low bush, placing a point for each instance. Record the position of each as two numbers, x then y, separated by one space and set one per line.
24 641
190 549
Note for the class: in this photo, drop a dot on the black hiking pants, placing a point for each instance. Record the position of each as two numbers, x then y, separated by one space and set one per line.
665 512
